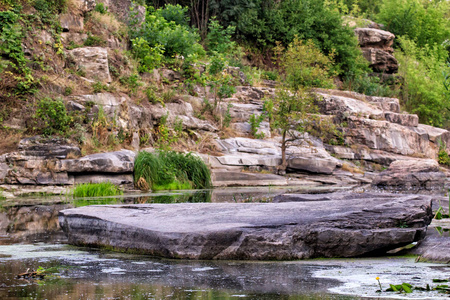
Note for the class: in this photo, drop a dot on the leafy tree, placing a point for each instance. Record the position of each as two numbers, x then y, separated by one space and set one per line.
424 77
293 110
424 22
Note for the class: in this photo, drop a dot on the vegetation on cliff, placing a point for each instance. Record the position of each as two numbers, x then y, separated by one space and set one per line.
202 41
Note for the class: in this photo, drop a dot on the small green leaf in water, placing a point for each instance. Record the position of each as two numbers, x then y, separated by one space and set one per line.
407 287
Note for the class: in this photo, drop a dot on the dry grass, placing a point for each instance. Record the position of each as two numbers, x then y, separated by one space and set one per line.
9 140
352 169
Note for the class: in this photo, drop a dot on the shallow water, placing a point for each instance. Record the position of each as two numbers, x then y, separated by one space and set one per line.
30 237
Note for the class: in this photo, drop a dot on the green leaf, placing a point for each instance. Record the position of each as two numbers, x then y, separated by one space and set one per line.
407 288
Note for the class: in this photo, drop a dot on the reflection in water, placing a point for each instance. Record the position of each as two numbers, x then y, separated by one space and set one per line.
100 275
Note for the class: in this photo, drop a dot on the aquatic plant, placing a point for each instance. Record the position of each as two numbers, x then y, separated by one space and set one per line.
102 189
170 170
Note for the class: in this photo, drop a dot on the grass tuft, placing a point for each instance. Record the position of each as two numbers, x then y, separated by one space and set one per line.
170 170
87 190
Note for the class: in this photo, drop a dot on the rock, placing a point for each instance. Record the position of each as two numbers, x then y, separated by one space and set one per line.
251 94
71 23
363 153
338 105
121 9
84 5
111 162
375 38
93 61
351 226
402 119
169 75
418 174
315 165
380 61
233 178
386 136
237 73
99 178
241 112
385 103
74 37
382 103
48 147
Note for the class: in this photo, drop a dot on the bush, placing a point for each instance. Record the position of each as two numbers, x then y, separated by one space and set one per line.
423 91
264 22
101 8
158 36
424 22
369 85
103 189
168 170
174 13
219 38
54 116
304 65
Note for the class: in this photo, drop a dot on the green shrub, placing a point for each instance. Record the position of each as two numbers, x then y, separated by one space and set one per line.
304 65
219 38
94 41
262 23
165 170
103 189
168 37
424 22
54 116
174 13
101 8
368 85
423 90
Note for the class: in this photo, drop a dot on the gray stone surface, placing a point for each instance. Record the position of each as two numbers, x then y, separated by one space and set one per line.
237 178
110 162
402 119
94 62
353 225
47 147
420 174
313 165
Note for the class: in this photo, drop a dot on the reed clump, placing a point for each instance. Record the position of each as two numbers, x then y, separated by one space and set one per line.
170 170
103 189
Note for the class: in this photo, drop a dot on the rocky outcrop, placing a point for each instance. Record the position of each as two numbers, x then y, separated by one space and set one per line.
54 161
110 162
411 174
353 225
376 46
93 61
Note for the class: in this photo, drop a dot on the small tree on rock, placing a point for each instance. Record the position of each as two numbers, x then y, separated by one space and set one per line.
292 110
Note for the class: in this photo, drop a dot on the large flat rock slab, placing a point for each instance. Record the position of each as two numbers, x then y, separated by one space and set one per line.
348 226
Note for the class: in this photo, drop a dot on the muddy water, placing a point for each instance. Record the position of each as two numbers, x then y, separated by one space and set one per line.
30 238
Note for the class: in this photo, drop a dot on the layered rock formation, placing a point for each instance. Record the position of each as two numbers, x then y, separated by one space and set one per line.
338 225
376 45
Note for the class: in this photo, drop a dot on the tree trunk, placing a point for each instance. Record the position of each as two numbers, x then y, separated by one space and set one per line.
283 151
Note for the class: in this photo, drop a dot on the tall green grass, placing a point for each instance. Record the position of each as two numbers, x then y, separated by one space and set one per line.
170 170
88 190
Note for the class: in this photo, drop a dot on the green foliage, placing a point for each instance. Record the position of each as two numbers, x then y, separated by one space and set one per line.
103 189
54 116
149 57
99 87
174 13
264 22
158 36
94 41
171 170
402 288
219 38
424 22
132 82
368 85
423 90
305 66
255 122
443 157
101 8
11 36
